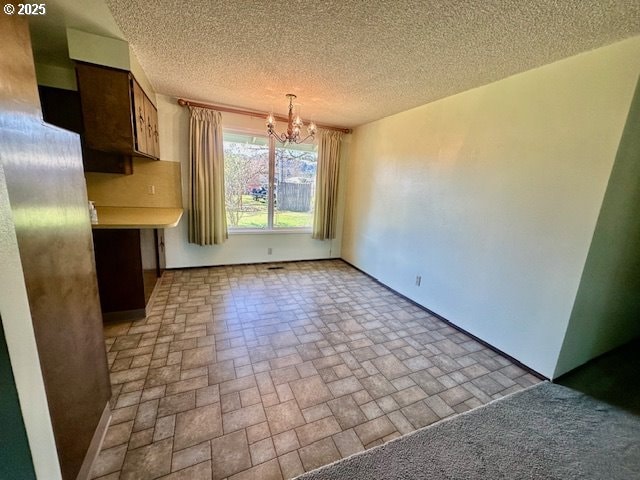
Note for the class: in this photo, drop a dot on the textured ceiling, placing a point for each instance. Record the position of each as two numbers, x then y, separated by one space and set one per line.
354 61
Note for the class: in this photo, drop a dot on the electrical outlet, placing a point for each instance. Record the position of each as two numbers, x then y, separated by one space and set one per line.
151 189
418 280
269 251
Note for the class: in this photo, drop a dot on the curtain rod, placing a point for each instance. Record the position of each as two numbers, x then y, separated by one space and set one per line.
221 108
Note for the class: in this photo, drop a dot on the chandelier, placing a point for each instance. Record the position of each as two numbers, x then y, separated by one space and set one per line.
294 126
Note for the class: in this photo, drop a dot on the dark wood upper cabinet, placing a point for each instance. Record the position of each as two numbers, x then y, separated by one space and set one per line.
140 115
152 128
117 115
62 108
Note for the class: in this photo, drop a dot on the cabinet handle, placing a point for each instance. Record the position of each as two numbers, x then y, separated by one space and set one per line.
141 117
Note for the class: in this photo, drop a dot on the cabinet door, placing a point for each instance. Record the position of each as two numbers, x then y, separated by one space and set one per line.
119 269
156 134
105 96
152 129
140 115
148 111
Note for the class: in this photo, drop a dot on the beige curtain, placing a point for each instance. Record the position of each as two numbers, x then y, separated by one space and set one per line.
207 215
324 220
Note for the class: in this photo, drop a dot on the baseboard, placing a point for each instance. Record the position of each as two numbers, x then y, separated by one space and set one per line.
270 262
95 445
125 315
515 361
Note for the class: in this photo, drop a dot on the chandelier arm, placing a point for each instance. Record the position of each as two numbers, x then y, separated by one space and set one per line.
312 137
281 137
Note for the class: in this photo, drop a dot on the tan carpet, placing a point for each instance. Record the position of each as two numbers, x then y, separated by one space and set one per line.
545 432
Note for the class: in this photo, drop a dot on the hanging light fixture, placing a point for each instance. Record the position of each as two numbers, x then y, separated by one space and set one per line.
294 126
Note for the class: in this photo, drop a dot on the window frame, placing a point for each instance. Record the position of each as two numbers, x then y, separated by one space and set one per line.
270 229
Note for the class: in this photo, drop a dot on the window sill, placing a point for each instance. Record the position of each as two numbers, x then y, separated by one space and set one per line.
278 231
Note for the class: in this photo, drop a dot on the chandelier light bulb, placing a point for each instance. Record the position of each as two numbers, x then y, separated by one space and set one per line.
312 128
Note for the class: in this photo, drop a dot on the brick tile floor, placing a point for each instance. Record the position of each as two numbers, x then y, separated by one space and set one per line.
246 372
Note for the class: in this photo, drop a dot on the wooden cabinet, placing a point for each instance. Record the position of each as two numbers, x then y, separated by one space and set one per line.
152 115
140 114
128 265
114 117
62 108
146 123
118 116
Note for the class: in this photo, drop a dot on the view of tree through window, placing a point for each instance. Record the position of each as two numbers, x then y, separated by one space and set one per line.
246 170
248 174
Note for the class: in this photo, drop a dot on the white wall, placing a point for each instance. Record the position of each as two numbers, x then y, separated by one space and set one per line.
92 48
173 123
606 312
56 76
21 343
492 196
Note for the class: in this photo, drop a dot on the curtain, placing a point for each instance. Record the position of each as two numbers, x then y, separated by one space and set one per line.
324 219
207 215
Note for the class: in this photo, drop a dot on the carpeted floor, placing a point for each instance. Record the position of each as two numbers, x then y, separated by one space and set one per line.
545 432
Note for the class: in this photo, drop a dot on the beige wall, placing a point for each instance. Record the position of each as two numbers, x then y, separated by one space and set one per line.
115 190
492 196
173 122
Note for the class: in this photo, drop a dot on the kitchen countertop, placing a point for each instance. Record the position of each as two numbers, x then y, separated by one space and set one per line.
137 217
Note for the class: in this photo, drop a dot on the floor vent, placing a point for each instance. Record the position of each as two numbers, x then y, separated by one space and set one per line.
275 268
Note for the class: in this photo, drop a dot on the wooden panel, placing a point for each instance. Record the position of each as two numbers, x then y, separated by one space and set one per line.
149 255
106 108
106 162
140 115
44 173
119 268
18 92
150 112
156 134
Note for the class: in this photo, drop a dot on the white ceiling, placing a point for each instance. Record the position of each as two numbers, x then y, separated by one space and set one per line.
354 61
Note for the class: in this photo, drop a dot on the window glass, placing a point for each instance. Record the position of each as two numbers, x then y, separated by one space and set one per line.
246 179
248 174
295 181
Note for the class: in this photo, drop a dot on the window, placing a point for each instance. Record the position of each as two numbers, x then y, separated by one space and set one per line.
268 186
